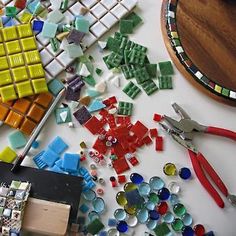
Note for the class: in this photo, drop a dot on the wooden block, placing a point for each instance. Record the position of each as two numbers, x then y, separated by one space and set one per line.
44 217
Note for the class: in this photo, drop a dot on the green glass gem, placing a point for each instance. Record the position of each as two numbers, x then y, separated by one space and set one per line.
162 230
177 225
121 199
153 197
179 209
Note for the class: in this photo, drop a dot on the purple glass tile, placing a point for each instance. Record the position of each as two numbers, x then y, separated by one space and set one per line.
82 115
71 95
75 36
76 84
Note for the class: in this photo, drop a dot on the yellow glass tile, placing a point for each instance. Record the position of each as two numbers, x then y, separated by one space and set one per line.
174 34
8 93
218 88
0 38
24 30
9 33
20 74
5 77
36 71
16 60
40 85
32 57
13 47
25 17
8 155
24 89
3 63
28 44
2 50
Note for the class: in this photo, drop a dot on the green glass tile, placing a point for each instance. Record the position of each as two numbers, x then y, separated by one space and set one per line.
128 71
165 82
137 57
166 68
149 87
225 92
95 226
162 230
152 70
114 59
135 18
89 80
125 108
141 75
131 90
113 44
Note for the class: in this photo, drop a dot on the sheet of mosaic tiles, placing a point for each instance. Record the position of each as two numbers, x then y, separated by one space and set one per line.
102 15
218 151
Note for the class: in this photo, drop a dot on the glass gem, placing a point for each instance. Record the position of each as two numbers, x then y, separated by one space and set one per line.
153 197
174 199
187 231
170 169
113 232
130 187
89 195
168 217
177 225
187 219
93 215
136 178
130 210
162 208
156 183
164 194
121 199
150 205
185 173
154 215
199 230
174 187
179 209
144 189
132 221
98 205
142 216
120 214
151 224
122 227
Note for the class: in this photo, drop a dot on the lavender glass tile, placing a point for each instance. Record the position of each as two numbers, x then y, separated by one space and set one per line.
82 115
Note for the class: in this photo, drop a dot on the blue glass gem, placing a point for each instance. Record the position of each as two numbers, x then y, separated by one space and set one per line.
156 183
93 215
188 231
142 216
164 194
174 199
210 233
154 215
168 217
122 227
187 219
151 224
136 178
120 214
150 205
89 195
185 173
144 189
98 205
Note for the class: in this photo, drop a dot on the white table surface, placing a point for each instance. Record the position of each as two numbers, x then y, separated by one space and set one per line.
219 151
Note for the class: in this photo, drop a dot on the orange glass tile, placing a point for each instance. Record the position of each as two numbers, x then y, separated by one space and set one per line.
22 105
14 119
36 113
27 126
3 112
44 99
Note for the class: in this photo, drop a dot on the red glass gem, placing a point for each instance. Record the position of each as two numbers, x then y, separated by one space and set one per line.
199 230
162 208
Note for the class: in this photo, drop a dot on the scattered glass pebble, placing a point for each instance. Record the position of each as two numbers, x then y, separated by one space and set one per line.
89 195
136 178
144 189
164 194
156 183
130 187
185 173
98 205
113 232
121 199
187 231
153 214
162 208
120 214
151 224
142 215
93 215
168 217
122 227
187 219
153 197
177 225
170 169
174 187
130 210
179 209
132 221
174 199
199 230
150 205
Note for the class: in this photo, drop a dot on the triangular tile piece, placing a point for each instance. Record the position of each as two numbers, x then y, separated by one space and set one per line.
84 71
85 100
116 81
101 86
102 44
93 93
64 115
96 106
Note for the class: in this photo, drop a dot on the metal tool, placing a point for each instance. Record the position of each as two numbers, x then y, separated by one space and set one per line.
36 132
183 132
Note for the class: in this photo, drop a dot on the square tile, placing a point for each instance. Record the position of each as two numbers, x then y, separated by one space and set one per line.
13 47
19 74
24 89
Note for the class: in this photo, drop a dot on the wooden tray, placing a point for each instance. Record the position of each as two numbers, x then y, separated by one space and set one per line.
200 36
